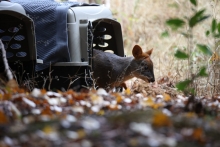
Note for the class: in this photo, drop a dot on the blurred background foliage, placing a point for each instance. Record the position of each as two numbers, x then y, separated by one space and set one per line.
146 23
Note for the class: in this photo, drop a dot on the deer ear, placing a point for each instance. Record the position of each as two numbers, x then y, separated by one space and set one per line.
149 52
137 51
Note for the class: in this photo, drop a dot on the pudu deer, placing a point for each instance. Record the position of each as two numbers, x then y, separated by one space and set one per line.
111 70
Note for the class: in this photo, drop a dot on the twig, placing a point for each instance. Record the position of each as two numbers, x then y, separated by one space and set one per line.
71 82
93 80
50 77
7 70
45 81
85 78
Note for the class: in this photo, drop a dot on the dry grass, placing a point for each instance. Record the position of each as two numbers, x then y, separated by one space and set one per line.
143 22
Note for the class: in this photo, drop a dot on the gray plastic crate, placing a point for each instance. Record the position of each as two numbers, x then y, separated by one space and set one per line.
18 36
17 32
105 30
88 27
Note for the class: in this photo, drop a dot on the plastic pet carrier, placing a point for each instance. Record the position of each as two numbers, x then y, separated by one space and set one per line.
17 35
65 33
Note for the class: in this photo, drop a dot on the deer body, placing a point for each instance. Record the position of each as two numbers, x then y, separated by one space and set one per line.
111 70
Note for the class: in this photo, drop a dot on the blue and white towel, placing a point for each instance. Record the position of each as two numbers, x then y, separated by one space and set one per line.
50 19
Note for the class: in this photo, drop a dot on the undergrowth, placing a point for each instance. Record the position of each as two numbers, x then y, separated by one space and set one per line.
144 23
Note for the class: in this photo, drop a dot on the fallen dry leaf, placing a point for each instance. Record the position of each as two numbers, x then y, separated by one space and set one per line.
161 120
3 118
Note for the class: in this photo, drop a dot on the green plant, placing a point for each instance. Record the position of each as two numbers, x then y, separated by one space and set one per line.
196 69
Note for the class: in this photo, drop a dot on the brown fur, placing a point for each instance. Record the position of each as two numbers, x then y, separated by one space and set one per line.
111 70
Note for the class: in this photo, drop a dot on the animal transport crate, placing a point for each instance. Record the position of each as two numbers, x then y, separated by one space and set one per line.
87 27
17 35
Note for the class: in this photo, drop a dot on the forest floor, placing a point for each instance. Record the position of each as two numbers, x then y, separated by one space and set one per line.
145 114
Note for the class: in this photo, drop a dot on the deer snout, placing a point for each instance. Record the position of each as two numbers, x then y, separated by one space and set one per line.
148 78
151 79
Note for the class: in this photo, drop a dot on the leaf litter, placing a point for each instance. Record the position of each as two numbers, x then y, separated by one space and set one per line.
145 114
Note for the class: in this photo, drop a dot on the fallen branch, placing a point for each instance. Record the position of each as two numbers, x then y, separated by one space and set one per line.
11 82
5 61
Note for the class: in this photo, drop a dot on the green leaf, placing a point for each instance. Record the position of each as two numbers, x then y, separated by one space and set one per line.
216 35
205 49
207 33
165 34
198 17
181 55
214 25
194 2
218 27
183 85
186 35
175 23
199 20
202 72
192 91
